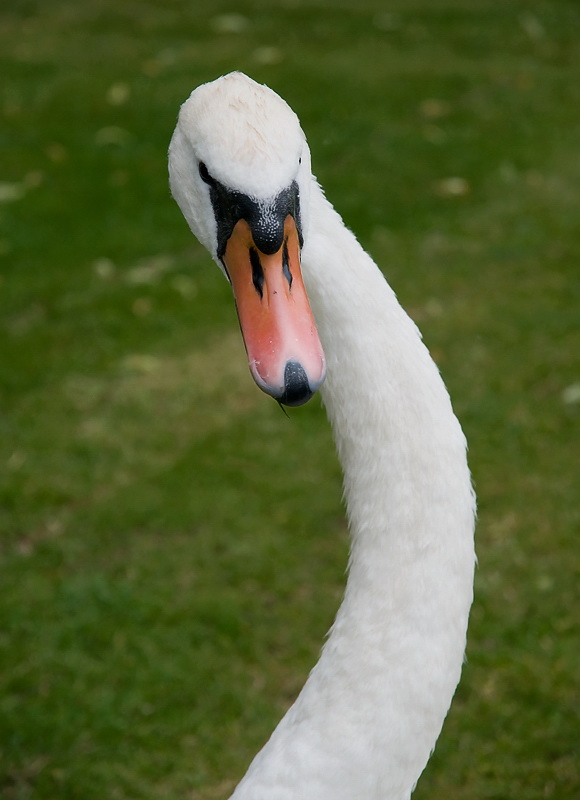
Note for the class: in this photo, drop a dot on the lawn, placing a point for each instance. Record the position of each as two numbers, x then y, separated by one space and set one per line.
172 546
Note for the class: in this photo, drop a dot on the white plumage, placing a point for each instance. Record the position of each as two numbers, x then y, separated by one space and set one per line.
368 717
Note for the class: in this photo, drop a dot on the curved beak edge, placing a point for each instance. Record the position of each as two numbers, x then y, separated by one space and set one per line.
284 351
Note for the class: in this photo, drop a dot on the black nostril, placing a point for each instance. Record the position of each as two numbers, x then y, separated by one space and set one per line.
297 389
257 271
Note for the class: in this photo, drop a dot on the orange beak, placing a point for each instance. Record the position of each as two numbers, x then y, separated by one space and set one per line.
284 352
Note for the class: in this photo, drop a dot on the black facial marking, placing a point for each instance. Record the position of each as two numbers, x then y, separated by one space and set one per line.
257 271
286 264
265 217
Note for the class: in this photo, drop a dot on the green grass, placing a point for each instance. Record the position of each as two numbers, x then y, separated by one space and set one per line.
173 547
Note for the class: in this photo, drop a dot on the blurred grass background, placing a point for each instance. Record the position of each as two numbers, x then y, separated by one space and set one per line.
172 546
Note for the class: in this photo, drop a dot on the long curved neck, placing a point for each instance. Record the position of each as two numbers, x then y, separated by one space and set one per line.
369 715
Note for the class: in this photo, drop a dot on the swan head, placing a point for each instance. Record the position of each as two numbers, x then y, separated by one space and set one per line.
239 169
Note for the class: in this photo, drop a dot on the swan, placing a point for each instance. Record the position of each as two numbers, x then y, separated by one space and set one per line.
316 313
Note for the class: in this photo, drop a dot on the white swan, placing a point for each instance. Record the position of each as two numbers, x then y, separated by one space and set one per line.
367 719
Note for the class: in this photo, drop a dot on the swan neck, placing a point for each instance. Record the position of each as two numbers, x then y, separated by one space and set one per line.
371 711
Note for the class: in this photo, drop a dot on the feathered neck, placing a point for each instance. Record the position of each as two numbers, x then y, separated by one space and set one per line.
369 715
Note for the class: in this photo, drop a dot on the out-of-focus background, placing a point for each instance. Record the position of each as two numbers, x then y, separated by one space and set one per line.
173 547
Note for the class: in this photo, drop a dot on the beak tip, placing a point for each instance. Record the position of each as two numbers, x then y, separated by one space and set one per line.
297 388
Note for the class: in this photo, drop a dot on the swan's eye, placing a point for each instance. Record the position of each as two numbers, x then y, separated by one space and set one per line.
204 174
